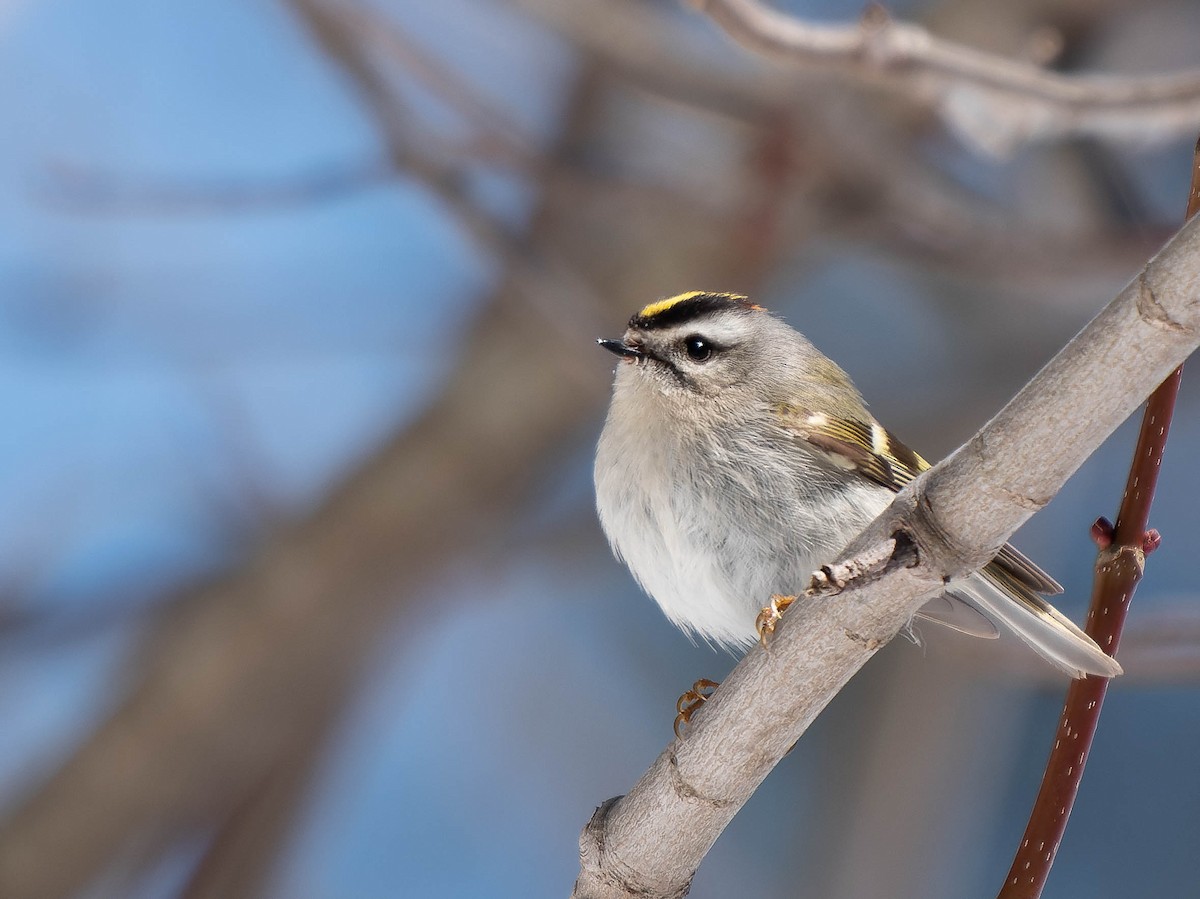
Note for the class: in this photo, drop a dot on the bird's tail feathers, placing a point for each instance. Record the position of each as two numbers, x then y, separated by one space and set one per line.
1047 631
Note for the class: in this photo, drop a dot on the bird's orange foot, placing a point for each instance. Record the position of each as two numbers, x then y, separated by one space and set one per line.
770 615
691 701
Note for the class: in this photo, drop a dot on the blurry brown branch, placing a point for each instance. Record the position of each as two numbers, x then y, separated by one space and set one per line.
856 173
1119 568
847 173
242 673
650 842
228 686
347 31
77 188
643 45
366 28
338 29
242 853
994 102
327 23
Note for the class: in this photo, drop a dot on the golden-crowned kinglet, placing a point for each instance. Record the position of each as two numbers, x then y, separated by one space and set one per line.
736 459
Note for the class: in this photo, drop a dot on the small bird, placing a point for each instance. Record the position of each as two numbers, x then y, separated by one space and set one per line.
736 459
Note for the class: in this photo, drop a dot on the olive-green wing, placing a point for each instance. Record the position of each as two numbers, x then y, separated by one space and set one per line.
868 448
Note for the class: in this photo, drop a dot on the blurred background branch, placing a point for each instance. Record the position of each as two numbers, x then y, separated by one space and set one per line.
995 102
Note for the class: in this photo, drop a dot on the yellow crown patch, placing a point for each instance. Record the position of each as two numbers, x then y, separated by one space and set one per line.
660 306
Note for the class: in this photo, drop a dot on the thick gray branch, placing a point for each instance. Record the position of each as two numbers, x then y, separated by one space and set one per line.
650 842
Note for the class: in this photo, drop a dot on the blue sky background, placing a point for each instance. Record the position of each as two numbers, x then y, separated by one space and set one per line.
174 381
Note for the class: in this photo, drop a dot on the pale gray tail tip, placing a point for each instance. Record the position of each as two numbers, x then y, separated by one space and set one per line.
1096 662
1110 667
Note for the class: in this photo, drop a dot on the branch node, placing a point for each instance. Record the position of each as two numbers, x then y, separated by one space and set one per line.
869 643
1116 558
1030 503
1151 311
592 839
687 792
600 877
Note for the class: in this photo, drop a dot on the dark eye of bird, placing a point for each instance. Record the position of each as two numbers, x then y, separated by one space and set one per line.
697 347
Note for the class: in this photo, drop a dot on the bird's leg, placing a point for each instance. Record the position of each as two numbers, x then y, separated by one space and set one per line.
770 615
691 701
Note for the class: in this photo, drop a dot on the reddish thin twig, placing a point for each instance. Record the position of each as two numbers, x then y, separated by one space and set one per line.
1119 565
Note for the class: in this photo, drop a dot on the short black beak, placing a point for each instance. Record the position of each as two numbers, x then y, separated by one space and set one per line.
621 348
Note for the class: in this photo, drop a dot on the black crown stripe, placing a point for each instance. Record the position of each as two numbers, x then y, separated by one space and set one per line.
687 306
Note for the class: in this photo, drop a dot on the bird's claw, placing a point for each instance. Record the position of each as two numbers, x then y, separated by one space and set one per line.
690 702
770 615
